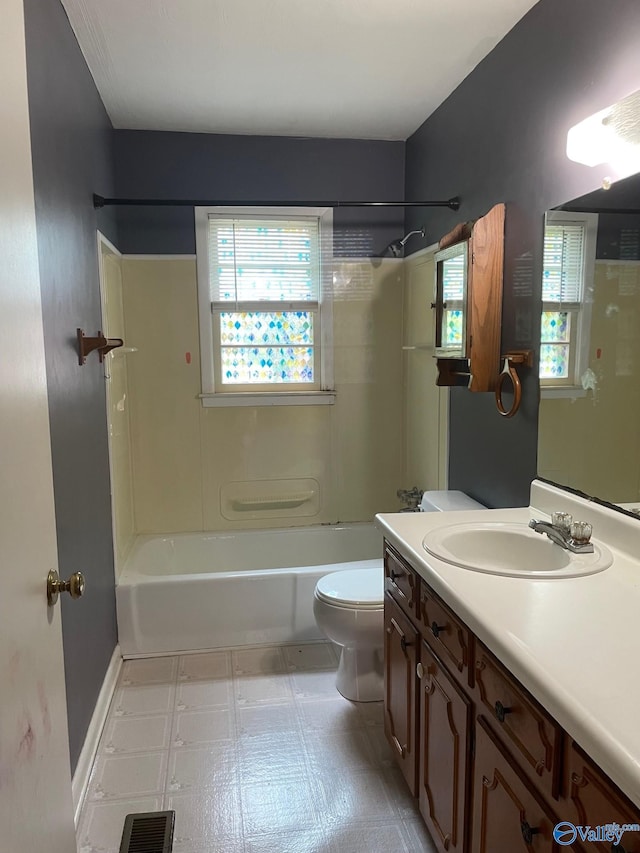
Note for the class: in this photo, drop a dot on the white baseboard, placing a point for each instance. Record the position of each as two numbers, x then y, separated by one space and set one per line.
82 773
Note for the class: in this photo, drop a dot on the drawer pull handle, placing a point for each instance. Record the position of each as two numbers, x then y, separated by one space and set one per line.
501 711
436 629
528 832
404 644
393 575
402 750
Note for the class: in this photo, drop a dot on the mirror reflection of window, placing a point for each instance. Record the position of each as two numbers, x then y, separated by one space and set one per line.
567 293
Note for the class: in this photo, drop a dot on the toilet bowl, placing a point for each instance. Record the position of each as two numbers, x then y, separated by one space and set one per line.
349 610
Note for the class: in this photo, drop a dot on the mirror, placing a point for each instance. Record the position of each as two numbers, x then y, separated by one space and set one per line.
589 420
451 298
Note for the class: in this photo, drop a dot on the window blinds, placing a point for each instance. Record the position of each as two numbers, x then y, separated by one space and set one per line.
563 267
266 260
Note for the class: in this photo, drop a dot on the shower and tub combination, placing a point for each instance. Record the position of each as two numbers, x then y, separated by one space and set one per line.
189 592
192 591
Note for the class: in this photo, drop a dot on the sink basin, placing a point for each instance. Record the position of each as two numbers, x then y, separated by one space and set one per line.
501 548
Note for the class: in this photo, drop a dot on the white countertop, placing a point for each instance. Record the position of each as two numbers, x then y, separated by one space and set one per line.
572 642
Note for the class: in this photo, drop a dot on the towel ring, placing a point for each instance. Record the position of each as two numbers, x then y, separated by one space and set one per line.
509 371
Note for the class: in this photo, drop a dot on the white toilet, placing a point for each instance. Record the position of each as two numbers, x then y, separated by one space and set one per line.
349 610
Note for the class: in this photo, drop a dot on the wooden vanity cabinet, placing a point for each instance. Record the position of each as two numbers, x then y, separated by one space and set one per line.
492 770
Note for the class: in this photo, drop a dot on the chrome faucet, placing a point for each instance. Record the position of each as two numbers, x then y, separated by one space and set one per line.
563 537
411 497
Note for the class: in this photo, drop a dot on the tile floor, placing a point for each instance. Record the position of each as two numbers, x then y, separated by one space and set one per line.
257 753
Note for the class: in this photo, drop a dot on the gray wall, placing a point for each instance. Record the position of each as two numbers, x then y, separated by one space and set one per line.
501 136
162 165
71 148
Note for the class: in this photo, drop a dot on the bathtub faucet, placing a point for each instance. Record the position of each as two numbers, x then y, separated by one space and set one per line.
410 497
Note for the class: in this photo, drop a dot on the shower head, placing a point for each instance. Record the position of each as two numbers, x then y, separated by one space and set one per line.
396 249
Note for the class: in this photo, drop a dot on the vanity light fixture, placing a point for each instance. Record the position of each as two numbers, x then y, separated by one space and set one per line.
610 136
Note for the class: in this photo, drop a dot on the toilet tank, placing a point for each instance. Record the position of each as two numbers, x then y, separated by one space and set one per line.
446 501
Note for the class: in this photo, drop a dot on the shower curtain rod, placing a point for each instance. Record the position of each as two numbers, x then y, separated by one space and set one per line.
99 201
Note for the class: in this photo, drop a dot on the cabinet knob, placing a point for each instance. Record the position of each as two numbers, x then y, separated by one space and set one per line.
436 629
419 670
393 575
528 832
501 711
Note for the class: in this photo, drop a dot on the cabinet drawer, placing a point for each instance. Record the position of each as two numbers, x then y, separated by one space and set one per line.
531 735
593 800
401 581
446 634
508 816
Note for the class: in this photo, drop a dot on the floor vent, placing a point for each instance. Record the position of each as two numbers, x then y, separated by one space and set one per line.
148 832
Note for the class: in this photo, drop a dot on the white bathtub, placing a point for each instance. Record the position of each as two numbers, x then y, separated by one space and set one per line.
193 591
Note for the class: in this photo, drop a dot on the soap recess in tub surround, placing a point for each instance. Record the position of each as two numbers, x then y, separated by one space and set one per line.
263 499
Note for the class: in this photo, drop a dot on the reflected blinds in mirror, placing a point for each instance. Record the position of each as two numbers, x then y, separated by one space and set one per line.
563 274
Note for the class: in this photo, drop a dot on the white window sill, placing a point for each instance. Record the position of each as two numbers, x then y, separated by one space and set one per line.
549 392
269 398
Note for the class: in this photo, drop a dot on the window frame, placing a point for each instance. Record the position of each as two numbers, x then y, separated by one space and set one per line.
214 393
579 312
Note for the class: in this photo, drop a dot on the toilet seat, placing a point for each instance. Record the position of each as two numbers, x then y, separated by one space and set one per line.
361 589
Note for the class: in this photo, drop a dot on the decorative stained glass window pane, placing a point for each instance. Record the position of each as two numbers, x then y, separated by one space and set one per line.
260 328
555 327
453 328
262 365
554 361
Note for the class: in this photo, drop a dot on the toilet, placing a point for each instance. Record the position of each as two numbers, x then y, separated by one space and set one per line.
349 610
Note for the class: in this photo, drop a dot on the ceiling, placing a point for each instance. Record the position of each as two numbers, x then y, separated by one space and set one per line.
363 69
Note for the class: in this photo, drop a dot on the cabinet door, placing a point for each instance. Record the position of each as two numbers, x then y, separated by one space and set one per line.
443 767
507 816
593 801
400 658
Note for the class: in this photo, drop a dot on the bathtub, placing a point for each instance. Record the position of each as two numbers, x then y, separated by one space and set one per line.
191 591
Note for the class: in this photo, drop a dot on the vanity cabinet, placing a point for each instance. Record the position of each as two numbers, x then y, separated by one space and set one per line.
492 770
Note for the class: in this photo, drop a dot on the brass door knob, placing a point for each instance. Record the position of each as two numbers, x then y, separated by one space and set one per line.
74 586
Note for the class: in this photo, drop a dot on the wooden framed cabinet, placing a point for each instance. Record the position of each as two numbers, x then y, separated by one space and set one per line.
468 302
492 771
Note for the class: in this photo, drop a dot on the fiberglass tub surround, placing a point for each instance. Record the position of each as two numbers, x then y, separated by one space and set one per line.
568 640
218 590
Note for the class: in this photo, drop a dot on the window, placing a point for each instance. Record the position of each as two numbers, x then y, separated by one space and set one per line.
567 284
265 318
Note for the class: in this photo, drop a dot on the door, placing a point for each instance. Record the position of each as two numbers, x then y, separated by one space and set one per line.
36 811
